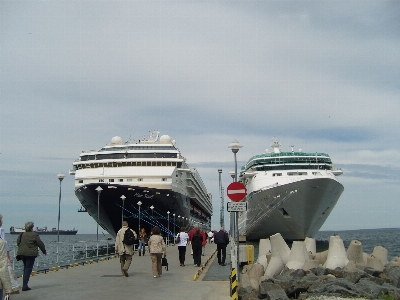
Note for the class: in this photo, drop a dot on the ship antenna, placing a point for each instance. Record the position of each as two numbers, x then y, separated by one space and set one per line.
292 146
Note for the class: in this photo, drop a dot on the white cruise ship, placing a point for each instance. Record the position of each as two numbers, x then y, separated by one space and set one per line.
146 183
291 193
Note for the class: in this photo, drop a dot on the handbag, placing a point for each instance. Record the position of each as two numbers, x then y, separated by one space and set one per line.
18 257
178 239
15 286
164 263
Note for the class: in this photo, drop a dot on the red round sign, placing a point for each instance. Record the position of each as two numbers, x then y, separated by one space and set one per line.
236 191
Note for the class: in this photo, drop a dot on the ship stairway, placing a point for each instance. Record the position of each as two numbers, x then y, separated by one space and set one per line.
265 209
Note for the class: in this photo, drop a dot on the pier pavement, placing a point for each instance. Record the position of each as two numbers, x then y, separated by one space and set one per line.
103 280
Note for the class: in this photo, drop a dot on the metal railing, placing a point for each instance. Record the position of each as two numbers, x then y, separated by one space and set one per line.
65 254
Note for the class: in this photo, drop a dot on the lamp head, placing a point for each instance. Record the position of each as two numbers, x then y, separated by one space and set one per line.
235 146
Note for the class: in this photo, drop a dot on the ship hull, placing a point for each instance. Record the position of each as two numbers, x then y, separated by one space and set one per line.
296 210
113 210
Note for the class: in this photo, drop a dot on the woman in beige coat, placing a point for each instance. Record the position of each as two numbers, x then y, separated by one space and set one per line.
157 248
5 283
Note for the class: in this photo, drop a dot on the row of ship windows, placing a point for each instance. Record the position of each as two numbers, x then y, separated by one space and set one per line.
288 167
129 164
127 155
120 180
295 173
147 147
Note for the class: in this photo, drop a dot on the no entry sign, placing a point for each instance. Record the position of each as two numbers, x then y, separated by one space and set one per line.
236 191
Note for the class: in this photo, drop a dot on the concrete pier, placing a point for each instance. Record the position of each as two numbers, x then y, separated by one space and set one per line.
103 280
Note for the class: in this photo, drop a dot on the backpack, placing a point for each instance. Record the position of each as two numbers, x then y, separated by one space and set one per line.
129 237
178 239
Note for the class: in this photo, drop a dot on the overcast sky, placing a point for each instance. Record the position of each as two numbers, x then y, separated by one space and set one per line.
320 75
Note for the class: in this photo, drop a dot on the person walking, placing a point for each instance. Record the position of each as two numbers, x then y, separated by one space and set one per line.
210 235
203 244
191 233
5 282
28 243
124 251
197 241
183 240
157 248
222 240
142 241
3 237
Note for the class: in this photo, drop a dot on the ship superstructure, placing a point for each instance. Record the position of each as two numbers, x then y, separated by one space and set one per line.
145 183
291 193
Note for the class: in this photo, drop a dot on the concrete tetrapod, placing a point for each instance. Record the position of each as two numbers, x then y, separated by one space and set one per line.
264 248
381 253
279 248
375 263
337 256
310 264
311 245
275 266
297 256
355 252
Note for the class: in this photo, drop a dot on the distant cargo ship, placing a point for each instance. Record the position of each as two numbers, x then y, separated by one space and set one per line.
44 231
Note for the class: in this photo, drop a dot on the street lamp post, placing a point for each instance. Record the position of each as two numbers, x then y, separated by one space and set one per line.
60 177
221 211
139 203
152 218
168 212
123 207
235 146
98 189
174 224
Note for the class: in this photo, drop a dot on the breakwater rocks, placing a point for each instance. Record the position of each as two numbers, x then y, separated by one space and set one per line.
301 273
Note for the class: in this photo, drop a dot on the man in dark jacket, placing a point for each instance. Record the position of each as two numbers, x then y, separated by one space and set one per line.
222 240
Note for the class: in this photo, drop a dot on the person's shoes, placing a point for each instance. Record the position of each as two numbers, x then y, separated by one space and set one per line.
223 264
196 265
26 288
140 254
125 273
155 276
183 265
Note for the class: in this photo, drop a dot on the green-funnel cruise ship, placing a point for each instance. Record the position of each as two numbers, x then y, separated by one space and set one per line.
291 193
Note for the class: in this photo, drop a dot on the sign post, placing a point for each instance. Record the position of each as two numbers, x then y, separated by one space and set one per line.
236 191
